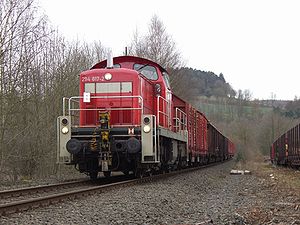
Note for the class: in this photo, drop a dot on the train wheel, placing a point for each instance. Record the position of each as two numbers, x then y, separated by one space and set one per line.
107 173
93 175
139 173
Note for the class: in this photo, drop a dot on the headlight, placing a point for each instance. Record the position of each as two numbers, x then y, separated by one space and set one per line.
107 76
147 129
64 130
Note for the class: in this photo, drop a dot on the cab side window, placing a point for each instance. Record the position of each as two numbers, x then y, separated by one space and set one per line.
166 79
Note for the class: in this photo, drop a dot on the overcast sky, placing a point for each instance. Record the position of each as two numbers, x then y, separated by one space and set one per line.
254 43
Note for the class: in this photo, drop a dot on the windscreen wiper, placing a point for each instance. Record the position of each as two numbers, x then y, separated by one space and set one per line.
142 67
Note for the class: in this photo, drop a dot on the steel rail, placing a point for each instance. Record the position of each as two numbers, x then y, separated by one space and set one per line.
37 189
23 205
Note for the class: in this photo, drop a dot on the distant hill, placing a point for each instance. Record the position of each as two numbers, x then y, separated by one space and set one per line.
189 83
207 89
229 109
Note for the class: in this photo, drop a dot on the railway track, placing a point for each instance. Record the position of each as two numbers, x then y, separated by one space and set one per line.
23 192
19 200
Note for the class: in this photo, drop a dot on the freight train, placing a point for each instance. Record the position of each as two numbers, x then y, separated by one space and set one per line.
286 149
127 119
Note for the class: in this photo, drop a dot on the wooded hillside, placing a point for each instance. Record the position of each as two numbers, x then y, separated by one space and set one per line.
190 83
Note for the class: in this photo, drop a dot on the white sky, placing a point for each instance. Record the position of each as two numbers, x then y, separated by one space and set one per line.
254 43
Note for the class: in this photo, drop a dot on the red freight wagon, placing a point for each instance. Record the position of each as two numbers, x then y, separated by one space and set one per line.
191 119
231 149
197 130
201 137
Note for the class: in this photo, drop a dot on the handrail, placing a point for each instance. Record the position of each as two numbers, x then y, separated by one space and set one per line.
165 112
64 104
155 138
106 97
180 118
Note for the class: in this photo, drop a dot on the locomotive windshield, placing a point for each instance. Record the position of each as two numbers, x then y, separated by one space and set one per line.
147 70
108 87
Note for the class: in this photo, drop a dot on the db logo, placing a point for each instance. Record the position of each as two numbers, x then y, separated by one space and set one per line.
130 131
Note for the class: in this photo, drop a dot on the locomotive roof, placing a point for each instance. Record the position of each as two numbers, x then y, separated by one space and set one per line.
126 58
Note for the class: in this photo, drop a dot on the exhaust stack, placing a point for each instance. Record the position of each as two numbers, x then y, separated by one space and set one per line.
110 63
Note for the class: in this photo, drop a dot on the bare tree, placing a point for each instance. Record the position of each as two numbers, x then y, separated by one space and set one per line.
22 34
37 68
95 52
157 45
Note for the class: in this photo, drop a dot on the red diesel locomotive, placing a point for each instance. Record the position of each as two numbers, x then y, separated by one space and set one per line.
127 119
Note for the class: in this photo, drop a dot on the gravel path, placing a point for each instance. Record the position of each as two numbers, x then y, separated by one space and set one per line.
208 196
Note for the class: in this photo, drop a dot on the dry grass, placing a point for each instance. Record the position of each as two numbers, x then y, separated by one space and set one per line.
279 193
284 180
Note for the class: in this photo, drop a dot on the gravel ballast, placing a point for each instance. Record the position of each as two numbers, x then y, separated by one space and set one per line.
207 196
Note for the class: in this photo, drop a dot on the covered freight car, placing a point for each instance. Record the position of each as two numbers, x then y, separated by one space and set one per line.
286 149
